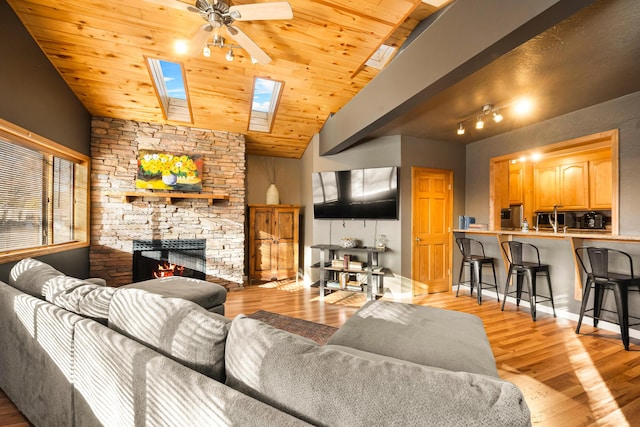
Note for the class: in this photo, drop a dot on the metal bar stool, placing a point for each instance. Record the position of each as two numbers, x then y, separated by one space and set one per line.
472 258
515 252
600 277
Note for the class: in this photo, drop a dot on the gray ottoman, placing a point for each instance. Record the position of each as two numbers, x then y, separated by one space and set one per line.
206 294
428 336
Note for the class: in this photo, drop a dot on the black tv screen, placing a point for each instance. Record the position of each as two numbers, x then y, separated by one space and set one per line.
370 193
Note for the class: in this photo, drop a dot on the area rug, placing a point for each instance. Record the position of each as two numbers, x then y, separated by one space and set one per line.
315 331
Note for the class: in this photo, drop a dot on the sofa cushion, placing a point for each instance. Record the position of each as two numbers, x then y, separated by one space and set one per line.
79 296
177 328
30 275
325 386
425 335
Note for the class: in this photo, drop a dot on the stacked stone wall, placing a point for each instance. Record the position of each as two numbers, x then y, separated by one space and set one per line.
115 223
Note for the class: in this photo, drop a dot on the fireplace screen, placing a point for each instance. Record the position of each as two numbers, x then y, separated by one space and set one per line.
162 258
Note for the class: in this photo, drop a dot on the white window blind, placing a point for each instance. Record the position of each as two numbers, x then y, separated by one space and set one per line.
37 198
22 213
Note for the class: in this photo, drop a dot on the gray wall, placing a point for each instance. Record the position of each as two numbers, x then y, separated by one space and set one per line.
288 173
405 152
623 114
35 97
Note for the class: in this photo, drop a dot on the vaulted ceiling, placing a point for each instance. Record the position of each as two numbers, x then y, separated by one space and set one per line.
99 48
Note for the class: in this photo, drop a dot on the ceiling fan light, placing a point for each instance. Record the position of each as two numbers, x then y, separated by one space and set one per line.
230 56
206 51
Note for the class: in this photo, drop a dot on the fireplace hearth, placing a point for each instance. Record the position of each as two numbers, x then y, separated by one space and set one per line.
169 257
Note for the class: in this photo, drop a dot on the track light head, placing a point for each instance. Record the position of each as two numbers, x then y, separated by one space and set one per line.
230 56
497 117
460 129
206 51
479 123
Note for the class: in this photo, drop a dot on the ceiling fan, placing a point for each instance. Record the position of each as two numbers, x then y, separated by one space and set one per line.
219 13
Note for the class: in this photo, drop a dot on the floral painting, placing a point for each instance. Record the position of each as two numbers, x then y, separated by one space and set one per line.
159 170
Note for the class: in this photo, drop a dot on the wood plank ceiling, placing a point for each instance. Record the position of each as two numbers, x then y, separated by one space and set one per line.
99 48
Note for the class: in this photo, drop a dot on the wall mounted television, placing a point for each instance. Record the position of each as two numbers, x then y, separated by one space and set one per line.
370 193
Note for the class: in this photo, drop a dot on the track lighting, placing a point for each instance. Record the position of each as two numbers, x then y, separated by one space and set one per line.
206 51
486 110
229 56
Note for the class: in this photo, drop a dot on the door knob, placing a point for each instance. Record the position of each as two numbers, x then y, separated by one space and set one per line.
417 239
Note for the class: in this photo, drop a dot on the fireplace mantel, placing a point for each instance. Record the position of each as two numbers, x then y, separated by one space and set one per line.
169 197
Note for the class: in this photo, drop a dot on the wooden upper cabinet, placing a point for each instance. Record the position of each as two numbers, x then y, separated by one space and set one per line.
576 183
579 174
516 183
545 186
600 184
573 186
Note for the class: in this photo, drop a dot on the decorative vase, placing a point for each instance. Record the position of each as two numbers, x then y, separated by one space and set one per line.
170 179
273 197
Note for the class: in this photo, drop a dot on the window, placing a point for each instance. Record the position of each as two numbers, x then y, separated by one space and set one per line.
43 195
266 98
381 56
171 88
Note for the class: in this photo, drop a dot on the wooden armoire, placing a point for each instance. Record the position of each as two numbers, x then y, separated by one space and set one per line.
273 242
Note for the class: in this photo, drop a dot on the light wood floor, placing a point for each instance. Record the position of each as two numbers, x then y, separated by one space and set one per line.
568 380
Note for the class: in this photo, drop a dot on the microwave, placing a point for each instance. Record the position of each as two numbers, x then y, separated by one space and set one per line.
565 219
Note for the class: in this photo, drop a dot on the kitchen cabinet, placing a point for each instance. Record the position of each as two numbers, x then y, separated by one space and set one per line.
573 185
562 184
600 184
545 186
273 242
516 183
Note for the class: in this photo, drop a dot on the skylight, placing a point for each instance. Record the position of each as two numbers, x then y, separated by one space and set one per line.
170 84
266 97
381 56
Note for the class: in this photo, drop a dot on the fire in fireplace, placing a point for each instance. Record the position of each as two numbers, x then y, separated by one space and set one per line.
167 257
166 269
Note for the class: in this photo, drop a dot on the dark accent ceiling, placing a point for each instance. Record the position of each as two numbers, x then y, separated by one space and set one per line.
592 57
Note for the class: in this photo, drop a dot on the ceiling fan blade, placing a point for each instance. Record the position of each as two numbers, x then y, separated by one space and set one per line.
172 4
249 45
261 11
199 39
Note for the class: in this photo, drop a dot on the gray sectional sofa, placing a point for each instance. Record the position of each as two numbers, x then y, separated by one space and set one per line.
75 353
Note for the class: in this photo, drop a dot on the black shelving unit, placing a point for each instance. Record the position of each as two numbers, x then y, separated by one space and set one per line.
371 268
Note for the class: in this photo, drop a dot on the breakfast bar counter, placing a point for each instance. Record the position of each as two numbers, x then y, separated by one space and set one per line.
576 239
586 235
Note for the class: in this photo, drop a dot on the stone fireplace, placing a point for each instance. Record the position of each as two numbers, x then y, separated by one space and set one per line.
117 221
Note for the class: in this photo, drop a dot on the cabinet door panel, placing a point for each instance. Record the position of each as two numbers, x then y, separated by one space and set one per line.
546 187
574 186
516 183
600 184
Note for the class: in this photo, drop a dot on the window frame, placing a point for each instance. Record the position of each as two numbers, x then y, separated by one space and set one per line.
17 135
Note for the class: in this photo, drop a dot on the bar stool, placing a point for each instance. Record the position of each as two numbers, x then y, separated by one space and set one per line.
601 278
515 252
471 257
